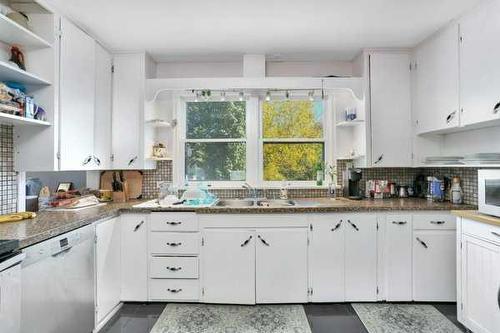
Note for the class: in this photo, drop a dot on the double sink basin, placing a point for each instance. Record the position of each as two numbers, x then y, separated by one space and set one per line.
256 203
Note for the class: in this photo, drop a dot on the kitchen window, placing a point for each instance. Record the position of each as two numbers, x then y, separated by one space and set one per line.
215 141
292 136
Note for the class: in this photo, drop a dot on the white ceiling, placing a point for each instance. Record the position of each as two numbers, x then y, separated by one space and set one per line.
211 30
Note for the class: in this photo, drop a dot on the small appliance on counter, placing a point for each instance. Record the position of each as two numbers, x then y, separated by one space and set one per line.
489 192
351 179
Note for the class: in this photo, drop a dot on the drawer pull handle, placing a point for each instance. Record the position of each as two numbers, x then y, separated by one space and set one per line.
174 244
422 242
353 225
174 223
379 159
337 226
495 233
399 222
450 117
496 108
438 222
174 269
175 291
137 227
245 243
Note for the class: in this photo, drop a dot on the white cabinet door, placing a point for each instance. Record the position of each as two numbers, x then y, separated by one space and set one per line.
108 270
434 265
134 253
437 82
10 300
77 98
360 257
281 265
326 258
128 106
228 266
390 109
103 96
480 285
479 70
397 258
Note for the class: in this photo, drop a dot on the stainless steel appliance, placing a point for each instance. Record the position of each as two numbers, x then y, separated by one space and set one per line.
351 179
58 284
10 286
489 192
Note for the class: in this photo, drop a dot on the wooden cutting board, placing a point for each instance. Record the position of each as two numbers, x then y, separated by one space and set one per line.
134 181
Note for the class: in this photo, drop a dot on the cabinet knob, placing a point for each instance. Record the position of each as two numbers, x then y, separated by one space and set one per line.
422 242
438 222
451 116
173 223
496 108
87 160
137 227
353 225
97 160
245 243
379 159
263 241
174 269
175 291
337 226
399 222
174 244
132 161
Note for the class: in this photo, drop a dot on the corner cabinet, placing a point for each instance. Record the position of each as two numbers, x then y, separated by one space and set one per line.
479 271
131 143
391 135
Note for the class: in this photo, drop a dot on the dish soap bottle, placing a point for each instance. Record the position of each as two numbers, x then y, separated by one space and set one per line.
456 193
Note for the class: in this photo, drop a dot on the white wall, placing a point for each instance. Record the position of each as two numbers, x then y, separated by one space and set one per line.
235 69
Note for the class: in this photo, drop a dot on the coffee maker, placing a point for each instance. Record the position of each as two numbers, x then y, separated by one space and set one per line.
351 180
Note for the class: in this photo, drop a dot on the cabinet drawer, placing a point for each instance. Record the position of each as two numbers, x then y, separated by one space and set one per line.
482 230
174 222
434 222
173 268
173 290
174 243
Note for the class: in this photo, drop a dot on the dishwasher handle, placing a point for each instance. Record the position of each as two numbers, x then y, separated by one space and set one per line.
63 250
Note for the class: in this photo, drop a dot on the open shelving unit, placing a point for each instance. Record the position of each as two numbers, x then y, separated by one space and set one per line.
15 34
8 119
10 72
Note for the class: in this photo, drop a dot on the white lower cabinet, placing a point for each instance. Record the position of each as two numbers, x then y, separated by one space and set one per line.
434 266
10 300
134 262
228 266
398 258
344 257
479 291
108 267
281 265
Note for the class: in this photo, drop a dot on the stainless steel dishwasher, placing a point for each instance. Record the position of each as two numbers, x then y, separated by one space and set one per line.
58 284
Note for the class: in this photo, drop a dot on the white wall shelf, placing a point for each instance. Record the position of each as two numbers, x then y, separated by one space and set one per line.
350 123
8 119
161 123
9 72
15 34
160 158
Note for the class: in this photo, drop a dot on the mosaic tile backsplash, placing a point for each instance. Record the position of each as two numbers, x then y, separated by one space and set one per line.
8 177
402 176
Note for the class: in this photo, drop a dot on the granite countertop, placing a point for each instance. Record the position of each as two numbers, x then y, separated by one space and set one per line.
477 216
49 224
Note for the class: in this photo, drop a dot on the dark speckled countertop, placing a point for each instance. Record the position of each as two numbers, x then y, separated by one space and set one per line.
49 224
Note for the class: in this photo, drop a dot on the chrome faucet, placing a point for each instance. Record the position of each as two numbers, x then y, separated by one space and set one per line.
252 191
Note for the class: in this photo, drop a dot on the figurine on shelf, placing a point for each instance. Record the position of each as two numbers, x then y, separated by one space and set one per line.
159 151
17 57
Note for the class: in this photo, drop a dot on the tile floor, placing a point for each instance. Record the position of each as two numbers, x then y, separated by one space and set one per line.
323 318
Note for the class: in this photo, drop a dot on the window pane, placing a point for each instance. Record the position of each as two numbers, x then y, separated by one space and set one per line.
292 161
292 119
215 120
215 161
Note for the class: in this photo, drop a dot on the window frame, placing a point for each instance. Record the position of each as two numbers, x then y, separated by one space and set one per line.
324 140
254 143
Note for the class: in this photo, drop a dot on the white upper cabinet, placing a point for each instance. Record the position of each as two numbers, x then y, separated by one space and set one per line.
436 90
281 265
390 109
129 134
479 69
77 98
103 104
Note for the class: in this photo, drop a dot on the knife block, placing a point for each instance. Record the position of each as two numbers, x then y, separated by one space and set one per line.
122 196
